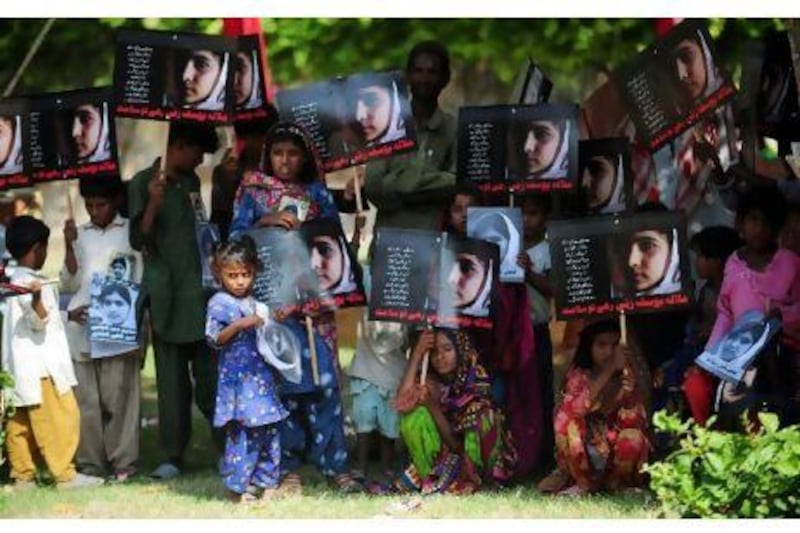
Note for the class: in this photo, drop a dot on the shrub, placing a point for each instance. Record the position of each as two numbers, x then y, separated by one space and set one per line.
6 409
716 474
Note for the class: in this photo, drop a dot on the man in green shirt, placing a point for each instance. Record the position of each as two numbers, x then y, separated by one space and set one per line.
412 190
164 207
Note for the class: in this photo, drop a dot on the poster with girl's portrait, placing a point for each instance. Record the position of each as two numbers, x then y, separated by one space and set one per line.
207 236
174 76
14 136
112 310
503 227
353 120
532 85
73 135
606 265
468 280
249 89
526 148
604 167
673 84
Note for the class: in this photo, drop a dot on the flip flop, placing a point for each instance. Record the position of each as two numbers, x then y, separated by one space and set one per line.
166 471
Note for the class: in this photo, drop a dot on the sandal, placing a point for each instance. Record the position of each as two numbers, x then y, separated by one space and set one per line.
245 498
345 483
291 485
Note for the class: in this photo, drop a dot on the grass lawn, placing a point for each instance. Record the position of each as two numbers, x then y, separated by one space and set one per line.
200 494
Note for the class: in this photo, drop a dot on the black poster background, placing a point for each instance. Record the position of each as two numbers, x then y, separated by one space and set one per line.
590 259
148 69
295 266
73 135
15 162
610 154
659 104
492 147
329 111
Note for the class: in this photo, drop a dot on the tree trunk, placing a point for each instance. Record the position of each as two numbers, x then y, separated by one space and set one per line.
793 27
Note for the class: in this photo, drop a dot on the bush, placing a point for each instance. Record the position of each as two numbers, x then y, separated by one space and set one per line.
6 409
727 475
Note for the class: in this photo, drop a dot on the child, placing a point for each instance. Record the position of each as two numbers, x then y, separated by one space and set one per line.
536 262
601 422
790 235
760 276
247 403
162 224
108 387
465 196
712 247
35 352
375 374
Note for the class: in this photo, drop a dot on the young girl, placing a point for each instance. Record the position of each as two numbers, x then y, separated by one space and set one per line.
761 276
247 404
315 425
601 422
455 434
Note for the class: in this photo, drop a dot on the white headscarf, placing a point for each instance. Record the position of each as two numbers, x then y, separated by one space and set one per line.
480 307
101 152
558 167
13 163
713 79
616 201
254 100
347 283
397 126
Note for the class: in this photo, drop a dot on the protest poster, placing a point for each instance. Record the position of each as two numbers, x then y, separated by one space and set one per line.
468 279
174 76
207 235
309 269
502 226
354 119
73 135
249 90
673 84
525 148
532 85
603 266
426 278
112 310
731 356
14 136
606 181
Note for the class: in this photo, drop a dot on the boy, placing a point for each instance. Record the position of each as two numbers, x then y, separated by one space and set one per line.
164 208
536 262
46 423
108 386
712 246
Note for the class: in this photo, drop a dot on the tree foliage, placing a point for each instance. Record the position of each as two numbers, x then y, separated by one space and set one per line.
573 52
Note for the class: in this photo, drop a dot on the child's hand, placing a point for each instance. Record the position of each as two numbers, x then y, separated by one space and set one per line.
775 313
524 261
70 231
252 321
280 314
36 291
156 187
361 221
79 315
284 219
423 394
426 342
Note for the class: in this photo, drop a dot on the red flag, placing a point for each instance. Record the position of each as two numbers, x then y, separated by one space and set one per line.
662 26
252 26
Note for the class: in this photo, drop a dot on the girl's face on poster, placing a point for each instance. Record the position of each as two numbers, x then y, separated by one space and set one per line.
444 359
327 261
237 278
374 111
541 145
286 159
599 178
87 123
242 78
6 138
690 66
200 75
738 345
466 278
603 348
648 258
115 308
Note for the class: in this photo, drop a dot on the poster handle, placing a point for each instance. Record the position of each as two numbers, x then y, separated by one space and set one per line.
510 199
623 329
426 359
70 207
312 347
357 191
164 148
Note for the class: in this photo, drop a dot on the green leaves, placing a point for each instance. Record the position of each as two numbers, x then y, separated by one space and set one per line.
716 474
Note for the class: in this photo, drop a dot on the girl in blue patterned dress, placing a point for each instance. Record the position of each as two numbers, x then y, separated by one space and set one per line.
247 406
314 430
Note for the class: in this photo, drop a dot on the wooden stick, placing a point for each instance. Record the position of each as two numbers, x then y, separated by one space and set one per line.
623 329
423 375
510 199
312 350
164 148
70 207
357 190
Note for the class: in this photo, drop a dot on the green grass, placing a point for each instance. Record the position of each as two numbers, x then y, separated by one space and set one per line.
200 493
